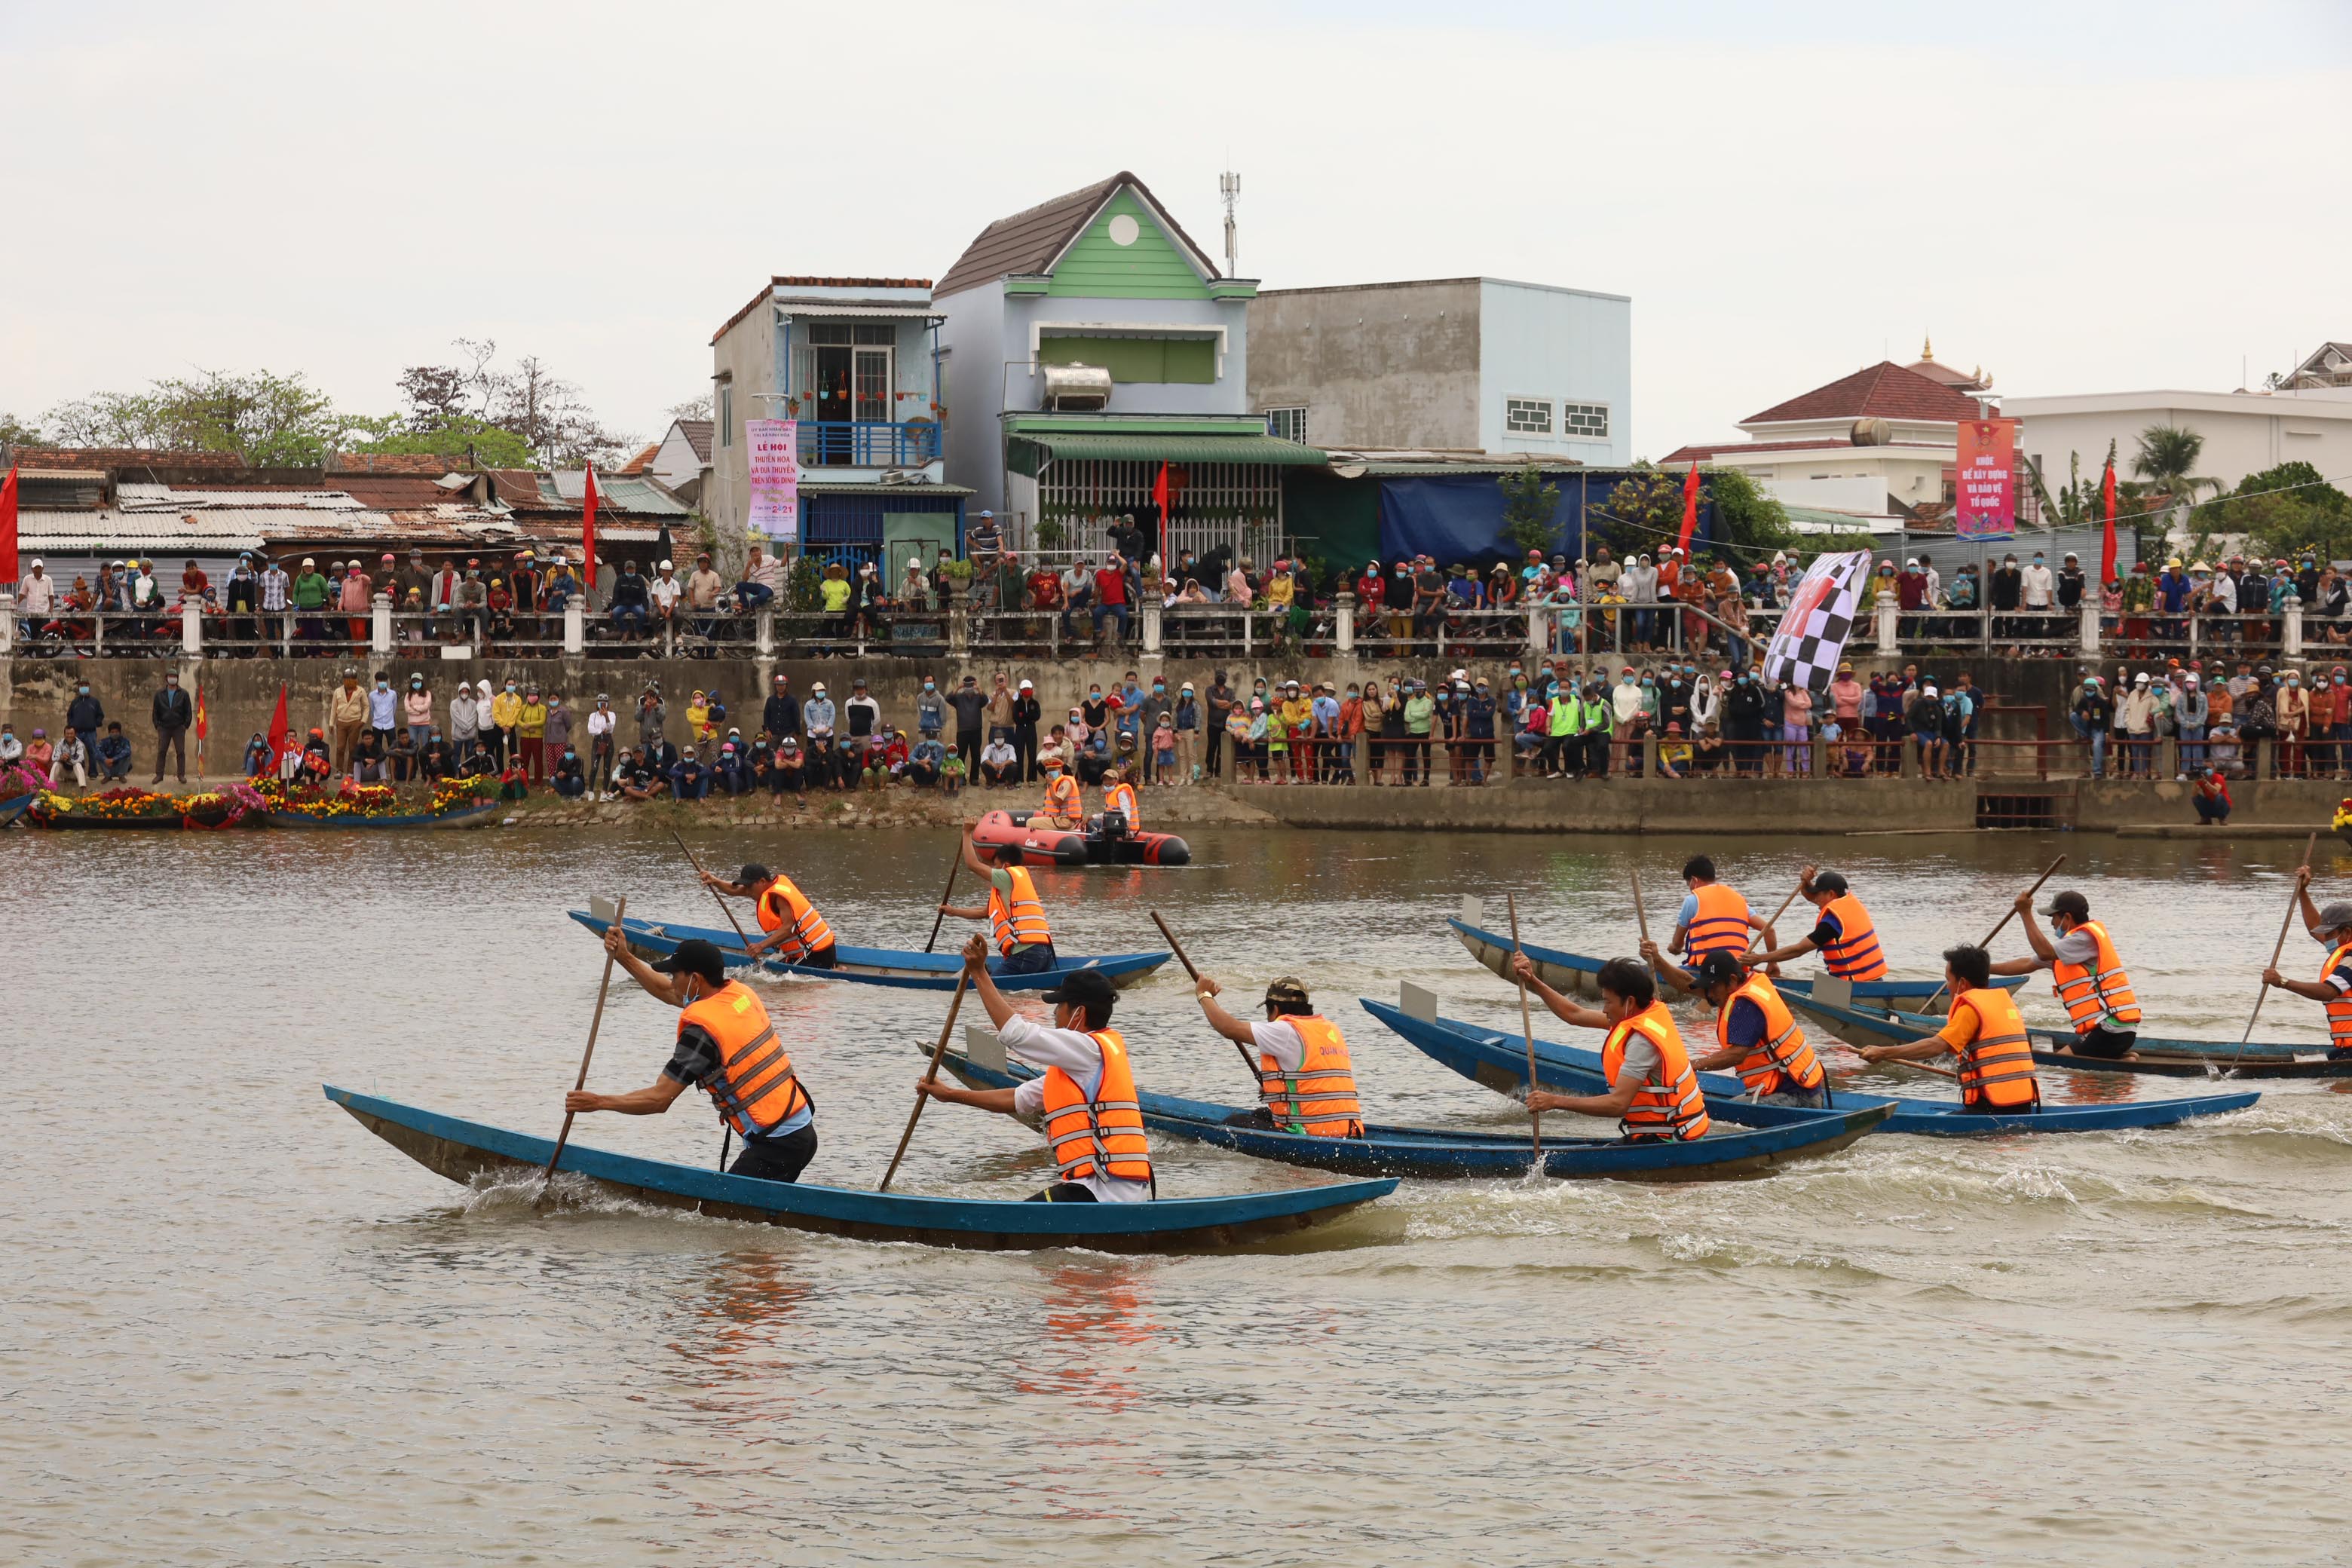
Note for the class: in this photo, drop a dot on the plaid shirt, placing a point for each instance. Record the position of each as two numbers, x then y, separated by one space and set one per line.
273 588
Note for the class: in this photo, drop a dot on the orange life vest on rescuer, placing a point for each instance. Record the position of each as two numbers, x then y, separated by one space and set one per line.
1319 1099
755 1087
1668 1104
1102 1136
1063 803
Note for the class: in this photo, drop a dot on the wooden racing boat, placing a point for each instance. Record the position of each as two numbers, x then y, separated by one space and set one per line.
1500 1061
10 810
1441 1152
876 965
477 815
1041 844
464 1149
1572 973
2155 1057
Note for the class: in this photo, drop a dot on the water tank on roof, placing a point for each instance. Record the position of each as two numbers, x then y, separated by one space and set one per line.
1873 432
1076 388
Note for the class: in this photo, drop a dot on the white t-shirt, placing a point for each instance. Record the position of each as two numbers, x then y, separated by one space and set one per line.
2077 948
1280 1040
664 592
1075 1053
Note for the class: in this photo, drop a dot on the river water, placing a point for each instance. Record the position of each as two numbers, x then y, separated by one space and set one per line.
238 1329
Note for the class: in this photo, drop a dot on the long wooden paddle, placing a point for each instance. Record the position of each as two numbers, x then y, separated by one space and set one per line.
1775 915
955 864
1641 914
1527 1029
2293 902
963 983
723 908
2008 915
620 912
1178 949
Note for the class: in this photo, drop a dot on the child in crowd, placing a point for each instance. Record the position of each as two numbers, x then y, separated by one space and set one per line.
1163 747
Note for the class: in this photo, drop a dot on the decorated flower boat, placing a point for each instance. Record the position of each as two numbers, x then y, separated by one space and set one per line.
454 803
129 808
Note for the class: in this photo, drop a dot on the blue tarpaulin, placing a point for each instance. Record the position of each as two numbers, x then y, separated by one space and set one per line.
1459 517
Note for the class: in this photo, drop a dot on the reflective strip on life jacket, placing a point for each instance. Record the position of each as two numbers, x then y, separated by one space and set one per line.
784 905
755 1087
2339 1007
1103 1135
2091 996
1719 922
1782 1058
1669 1102
1319 1099
1023 925
1855 954
1997 1067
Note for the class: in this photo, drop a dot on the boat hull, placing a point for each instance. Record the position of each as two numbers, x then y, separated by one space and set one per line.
464 1150
2156 1057
1439 1153
874 965
10 810
466 816
1044 845
1499 1062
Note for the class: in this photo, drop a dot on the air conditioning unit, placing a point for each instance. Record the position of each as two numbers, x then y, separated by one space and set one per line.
1076 388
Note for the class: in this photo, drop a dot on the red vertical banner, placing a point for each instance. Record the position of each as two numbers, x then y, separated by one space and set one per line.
8 528
2108 545
1159 500
1988 479
588 540
1690 509
277 730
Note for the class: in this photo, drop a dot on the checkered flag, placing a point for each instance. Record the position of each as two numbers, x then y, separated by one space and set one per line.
1812 638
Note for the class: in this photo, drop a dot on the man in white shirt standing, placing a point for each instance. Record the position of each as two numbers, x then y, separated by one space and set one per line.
1084 1099
37 595
2034 587
600 720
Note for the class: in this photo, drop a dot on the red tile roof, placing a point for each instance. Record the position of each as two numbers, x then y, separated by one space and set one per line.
1737 449
97 459
636 464
429 464
1884 391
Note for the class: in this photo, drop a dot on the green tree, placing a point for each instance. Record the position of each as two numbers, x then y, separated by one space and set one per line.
1745 512
1645 512
271 421
14 432
1529 506
466 442
2281 511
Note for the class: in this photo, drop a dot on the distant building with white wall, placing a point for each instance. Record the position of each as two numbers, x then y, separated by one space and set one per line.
2245 432
1464 364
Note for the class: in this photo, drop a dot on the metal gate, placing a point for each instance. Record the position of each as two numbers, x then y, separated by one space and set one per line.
1236 506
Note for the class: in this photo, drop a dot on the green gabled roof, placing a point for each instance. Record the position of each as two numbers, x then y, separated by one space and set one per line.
1072 233
1147 267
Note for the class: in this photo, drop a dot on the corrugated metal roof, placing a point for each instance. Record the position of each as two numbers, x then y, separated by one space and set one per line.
826 490
1031 452
628 494
838 307
165 498
107 522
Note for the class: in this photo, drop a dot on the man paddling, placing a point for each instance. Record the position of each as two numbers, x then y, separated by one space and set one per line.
727 1048
1306 1081
1084 1099
1652 1089
793 929
2332 928
2084 972
1714 917
1986 1031
1842 932
1023 938
1754 1030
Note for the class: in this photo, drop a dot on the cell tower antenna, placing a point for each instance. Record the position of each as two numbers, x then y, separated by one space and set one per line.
1229 186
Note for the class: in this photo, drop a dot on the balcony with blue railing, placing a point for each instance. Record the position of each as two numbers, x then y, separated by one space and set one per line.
868 443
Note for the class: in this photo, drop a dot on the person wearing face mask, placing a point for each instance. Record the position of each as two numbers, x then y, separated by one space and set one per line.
728 1048
86 715
2004 591
2292 707
2034 587
2331 927
505 713
383 712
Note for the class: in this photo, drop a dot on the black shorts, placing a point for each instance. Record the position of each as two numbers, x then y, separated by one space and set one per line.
776 1159
826 957
1984 1108
2107 1045
1065 1192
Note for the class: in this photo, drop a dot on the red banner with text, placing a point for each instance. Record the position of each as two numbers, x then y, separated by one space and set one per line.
1988 479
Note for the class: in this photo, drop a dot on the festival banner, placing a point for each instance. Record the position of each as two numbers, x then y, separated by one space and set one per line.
1812 638
1988 479
775 464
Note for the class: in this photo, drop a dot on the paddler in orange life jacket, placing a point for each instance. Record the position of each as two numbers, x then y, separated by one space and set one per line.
1025 943
790 927
1842 932
1755 1033
2084 972
727 1048
1652 1091
2332 928
1084 1101
1713 918
1306 1082
1986 1031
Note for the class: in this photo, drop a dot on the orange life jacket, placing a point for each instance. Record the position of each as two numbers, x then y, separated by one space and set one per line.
1855 954
755 1087
1063 807
784 907
1319 1099
1720 922
2339 1008
1997 1067
1023 924
1782 1058
2090 994
1103 1135
1120 797
1668 1104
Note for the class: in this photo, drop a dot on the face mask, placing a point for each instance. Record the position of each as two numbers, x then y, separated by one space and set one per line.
387 686
1159 685
926 686
85 690
510 685
1646 681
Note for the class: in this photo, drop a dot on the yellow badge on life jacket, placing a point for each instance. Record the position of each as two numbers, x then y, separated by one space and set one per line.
743 1003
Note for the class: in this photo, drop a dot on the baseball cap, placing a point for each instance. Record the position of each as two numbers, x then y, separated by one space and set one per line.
751 876
1829 882
697 957
2068 903
1720 967
1088 988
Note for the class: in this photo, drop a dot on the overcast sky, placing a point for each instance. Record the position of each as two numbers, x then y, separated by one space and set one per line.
2080 197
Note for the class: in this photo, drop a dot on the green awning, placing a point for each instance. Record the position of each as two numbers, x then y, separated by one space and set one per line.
1030 453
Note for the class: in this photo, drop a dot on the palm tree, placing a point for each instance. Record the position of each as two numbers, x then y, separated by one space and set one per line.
2168 461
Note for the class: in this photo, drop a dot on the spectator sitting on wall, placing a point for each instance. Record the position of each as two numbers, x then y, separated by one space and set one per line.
925 761
113 753
1000 765
688 779
258 756
630 601
632 779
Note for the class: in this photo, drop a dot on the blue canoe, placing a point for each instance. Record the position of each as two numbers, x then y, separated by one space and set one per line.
463 1149
878 965
10 810
463 817
1500 1061
2154 1055
1438 1151
1572 973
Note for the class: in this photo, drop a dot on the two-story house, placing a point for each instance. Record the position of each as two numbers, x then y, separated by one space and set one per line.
1092 351
853 362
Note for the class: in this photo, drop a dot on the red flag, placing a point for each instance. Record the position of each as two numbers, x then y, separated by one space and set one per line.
277 729
1690 508
8 528
2107 546
203 725
588 535
1159 500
